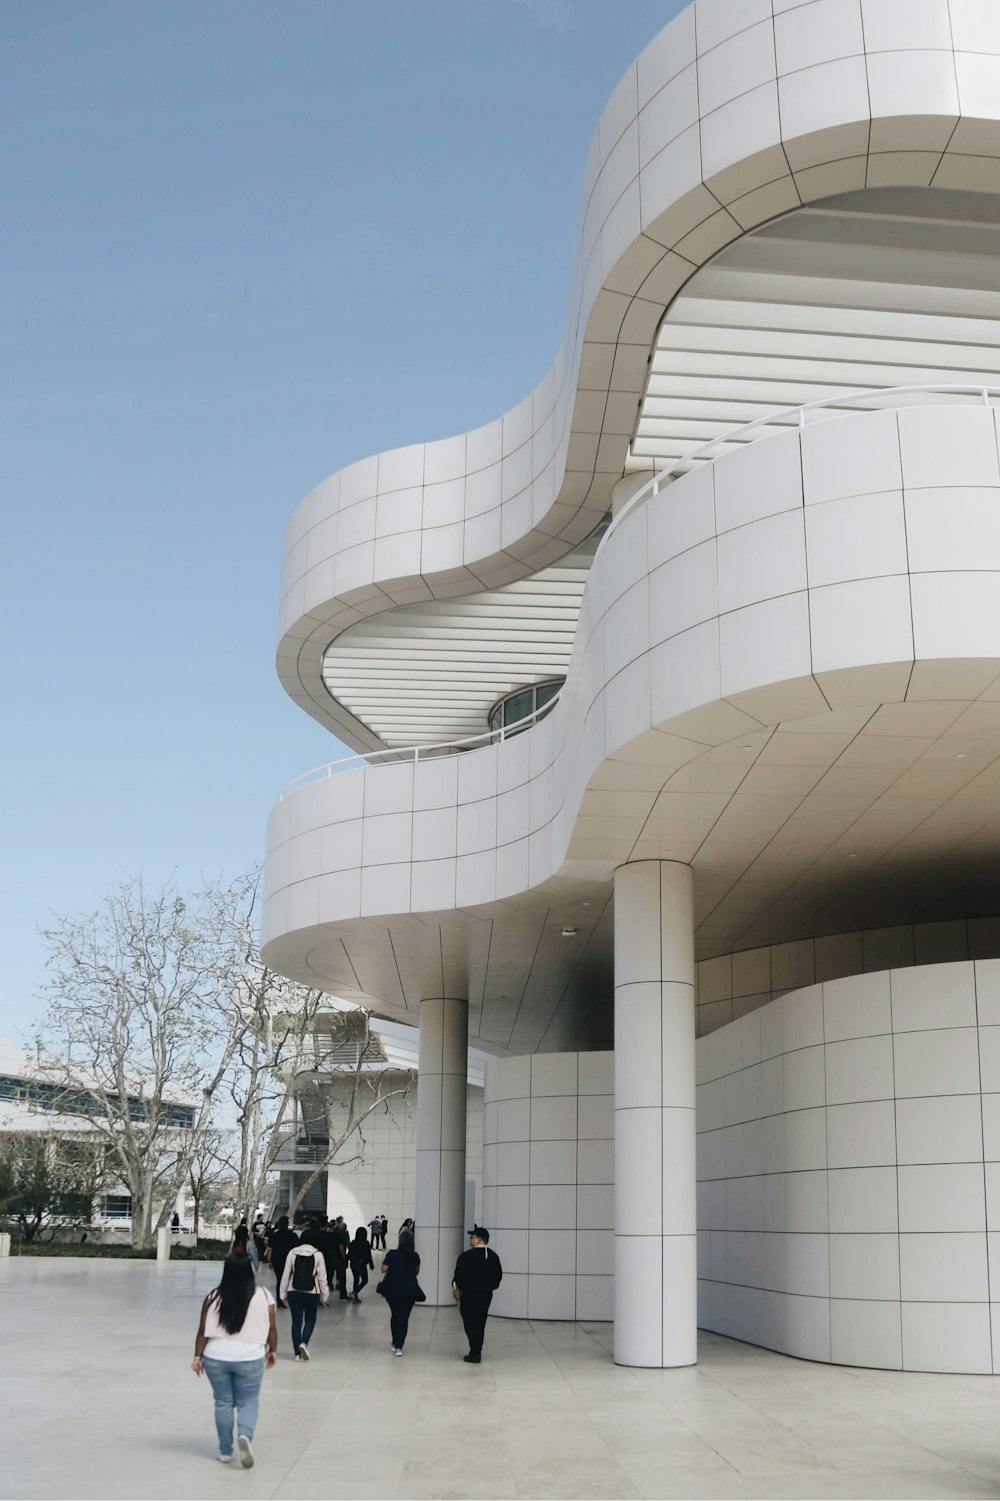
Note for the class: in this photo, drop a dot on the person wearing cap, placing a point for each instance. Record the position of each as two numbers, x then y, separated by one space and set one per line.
478 1274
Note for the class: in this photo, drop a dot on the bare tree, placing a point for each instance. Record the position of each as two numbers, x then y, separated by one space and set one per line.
282 1018
145 1015
210 1167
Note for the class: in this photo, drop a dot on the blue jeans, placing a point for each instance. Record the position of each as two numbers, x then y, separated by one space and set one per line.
235 1386
303 1307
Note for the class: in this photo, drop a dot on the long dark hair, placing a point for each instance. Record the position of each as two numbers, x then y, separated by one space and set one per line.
234 1292
406 1242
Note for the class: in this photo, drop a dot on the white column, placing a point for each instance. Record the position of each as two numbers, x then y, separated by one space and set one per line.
442 1089
656 1289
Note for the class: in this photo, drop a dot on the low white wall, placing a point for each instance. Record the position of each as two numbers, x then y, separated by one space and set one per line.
548 1170
849 1171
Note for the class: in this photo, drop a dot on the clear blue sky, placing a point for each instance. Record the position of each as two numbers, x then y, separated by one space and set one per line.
243 244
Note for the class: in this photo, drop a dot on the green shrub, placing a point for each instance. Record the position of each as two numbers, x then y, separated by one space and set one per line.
205 1250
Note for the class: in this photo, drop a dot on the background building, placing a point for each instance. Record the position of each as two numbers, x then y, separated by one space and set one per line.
32 1106
375 1170
750 517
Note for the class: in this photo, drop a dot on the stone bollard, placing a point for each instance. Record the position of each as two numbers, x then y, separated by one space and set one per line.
4 1243
163 1244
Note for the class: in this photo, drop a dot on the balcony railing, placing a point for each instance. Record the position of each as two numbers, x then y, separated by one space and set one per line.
297 1151
788 417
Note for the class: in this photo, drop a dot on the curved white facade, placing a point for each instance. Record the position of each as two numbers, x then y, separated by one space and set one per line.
848 1171
804 582
781 717
734 114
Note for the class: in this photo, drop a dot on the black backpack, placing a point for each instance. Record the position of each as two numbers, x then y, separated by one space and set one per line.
304 1274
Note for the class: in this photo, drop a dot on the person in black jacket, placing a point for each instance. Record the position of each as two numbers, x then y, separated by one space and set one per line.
283 1240
342 1236
360 1258
478 1274
400 1288
326 1242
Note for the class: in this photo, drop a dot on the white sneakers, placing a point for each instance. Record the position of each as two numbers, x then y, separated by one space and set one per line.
396 1352
303 1353
246 1453
224 1459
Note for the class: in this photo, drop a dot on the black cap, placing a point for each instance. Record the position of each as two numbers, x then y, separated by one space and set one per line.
480 1232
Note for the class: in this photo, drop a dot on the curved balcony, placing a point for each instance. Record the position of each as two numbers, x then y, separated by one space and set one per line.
786 673
709 135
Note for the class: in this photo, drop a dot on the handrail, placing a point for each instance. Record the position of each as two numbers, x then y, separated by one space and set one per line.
412 753
652 486
648 490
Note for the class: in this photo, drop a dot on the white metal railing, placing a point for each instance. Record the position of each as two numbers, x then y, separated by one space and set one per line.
787 417
413 753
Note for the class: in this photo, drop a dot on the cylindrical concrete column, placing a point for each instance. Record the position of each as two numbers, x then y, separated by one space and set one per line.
442 1091
656 1289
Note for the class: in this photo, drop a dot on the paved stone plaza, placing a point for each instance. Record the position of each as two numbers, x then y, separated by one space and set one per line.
99 1401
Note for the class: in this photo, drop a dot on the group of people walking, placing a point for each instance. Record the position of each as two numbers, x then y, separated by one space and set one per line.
237 1338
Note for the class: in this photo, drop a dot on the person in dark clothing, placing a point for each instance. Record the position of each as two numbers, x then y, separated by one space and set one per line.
384 1230
401 1289
326 1242
360 1259
343 1240
283 1240
478 1274
375 1226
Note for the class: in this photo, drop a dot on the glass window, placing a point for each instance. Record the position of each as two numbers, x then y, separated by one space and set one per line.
517 707
546 692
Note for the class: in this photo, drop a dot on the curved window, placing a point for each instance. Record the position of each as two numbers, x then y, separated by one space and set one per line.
522 704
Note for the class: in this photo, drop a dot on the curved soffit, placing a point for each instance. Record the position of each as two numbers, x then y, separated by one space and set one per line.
732 116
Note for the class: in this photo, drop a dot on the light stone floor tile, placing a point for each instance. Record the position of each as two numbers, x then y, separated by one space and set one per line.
98 1401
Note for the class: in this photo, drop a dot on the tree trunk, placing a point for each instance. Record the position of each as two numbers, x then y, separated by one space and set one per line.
142 1213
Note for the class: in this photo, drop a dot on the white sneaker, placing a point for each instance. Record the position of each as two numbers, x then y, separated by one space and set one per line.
224 1459
397 1352
303 1352
246 1453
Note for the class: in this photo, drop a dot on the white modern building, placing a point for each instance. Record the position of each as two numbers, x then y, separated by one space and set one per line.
763 808
374 1172
31 1105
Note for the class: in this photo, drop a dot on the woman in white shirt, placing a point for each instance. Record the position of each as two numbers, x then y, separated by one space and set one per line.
237 1341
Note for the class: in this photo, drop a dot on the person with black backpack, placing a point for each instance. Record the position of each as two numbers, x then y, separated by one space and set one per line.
304 1286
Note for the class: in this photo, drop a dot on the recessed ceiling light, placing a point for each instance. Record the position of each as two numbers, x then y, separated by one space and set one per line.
569 932
960 755
748 747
